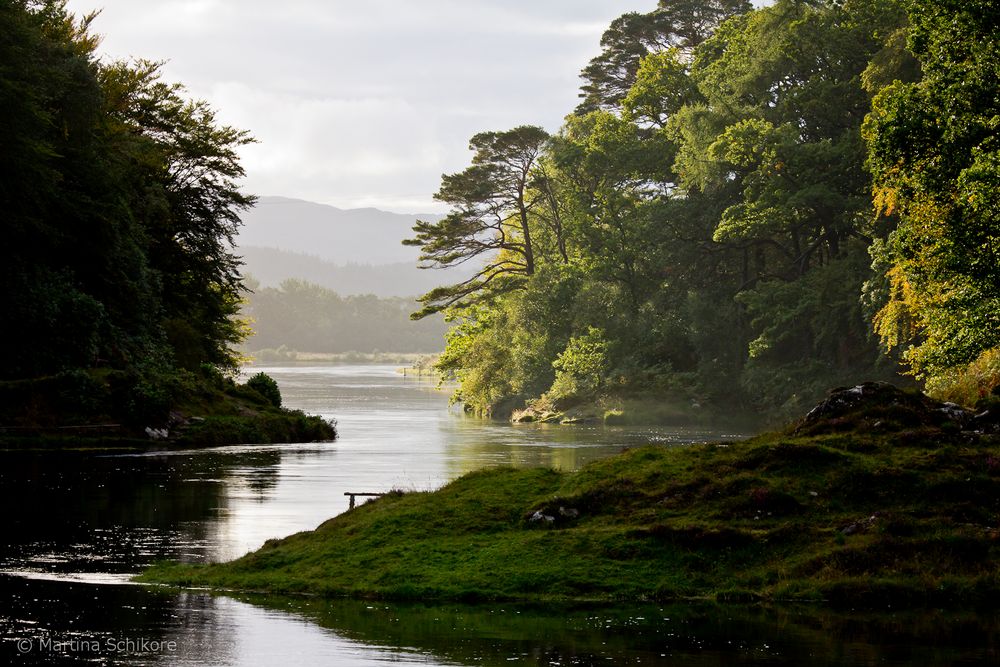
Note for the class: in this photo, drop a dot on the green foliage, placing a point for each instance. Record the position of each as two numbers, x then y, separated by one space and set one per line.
265 385
933 152
120 203
286 426
706 208
813 334
582 366
971 384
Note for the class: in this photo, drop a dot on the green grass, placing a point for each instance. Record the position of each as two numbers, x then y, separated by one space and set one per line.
907 517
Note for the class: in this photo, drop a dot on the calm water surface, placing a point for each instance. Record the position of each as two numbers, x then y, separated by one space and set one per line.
78 524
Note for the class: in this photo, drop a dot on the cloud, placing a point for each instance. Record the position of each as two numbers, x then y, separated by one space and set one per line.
365 102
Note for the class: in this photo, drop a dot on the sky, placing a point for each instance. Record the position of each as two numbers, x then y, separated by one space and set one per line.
365 103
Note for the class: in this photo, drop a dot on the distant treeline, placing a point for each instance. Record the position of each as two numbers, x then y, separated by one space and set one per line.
309 318
270 266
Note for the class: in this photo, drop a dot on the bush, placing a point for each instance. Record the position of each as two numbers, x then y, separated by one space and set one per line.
968 385
139 399
265 385
581 367
80 393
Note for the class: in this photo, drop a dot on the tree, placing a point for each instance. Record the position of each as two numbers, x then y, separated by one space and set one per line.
189 167
705 209
491 205
675 24
935 158
120 203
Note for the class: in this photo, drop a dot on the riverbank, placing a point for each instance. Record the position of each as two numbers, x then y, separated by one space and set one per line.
284 355
631 410
114 409
878 498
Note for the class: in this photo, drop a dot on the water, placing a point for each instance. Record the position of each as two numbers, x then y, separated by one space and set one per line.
79 524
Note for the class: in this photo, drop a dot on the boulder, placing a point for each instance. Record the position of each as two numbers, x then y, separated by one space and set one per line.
879 406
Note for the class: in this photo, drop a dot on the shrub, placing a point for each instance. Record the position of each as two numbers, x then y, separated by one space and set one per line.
265 385
581 367
968 385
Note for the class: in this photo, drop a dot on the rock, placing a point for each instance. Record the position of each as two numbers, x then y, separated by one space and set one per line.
579 419
842 400
569 513
529 415
860 526
987 421
176 419
615 418
956 413
881 406
523 416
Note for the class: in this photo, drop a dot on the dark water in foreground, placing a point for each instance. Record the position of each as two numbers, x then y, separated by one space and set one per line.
79 523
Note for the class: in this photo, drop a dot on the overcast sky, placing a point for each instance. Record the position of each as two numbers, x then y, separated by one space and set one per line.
365 103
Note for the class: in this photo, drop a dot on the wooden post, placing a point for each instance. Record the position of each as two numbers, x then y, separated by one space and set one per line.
352 494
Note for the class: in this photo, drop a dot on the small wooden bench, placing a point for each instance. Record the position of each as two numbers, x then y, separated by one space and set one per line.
353 494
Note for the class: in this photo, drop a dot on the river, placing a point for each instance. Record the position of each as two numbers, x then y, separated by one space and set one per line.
80 523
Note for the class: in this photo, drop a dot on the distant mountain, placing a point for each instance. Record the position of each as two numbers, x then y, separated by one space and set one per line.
352 236
353 251
271 266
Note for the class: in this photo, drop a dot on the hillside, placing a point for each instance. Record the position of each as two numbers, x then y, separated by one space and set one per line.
271 266
354 236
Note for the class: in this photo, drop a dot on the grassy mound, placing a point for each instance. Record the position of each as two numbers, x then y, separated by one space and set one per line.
878 501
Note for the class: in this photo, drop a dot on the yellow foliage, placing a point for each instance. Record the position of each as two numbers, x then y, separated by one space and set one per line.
896 323
886 201
967 384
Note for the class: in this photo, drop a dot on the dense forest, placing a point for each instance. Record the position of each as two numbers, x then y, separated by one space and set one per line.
120 201
748 207
120 290
306 317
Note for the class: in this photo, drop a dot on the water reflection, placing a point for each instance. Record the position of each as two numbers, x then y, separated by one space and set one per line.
198 628
59 622
679 634
77 511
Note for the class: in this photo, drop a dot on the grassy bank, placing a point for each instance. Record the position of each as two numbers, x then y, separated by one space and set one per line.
118 409
882 499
